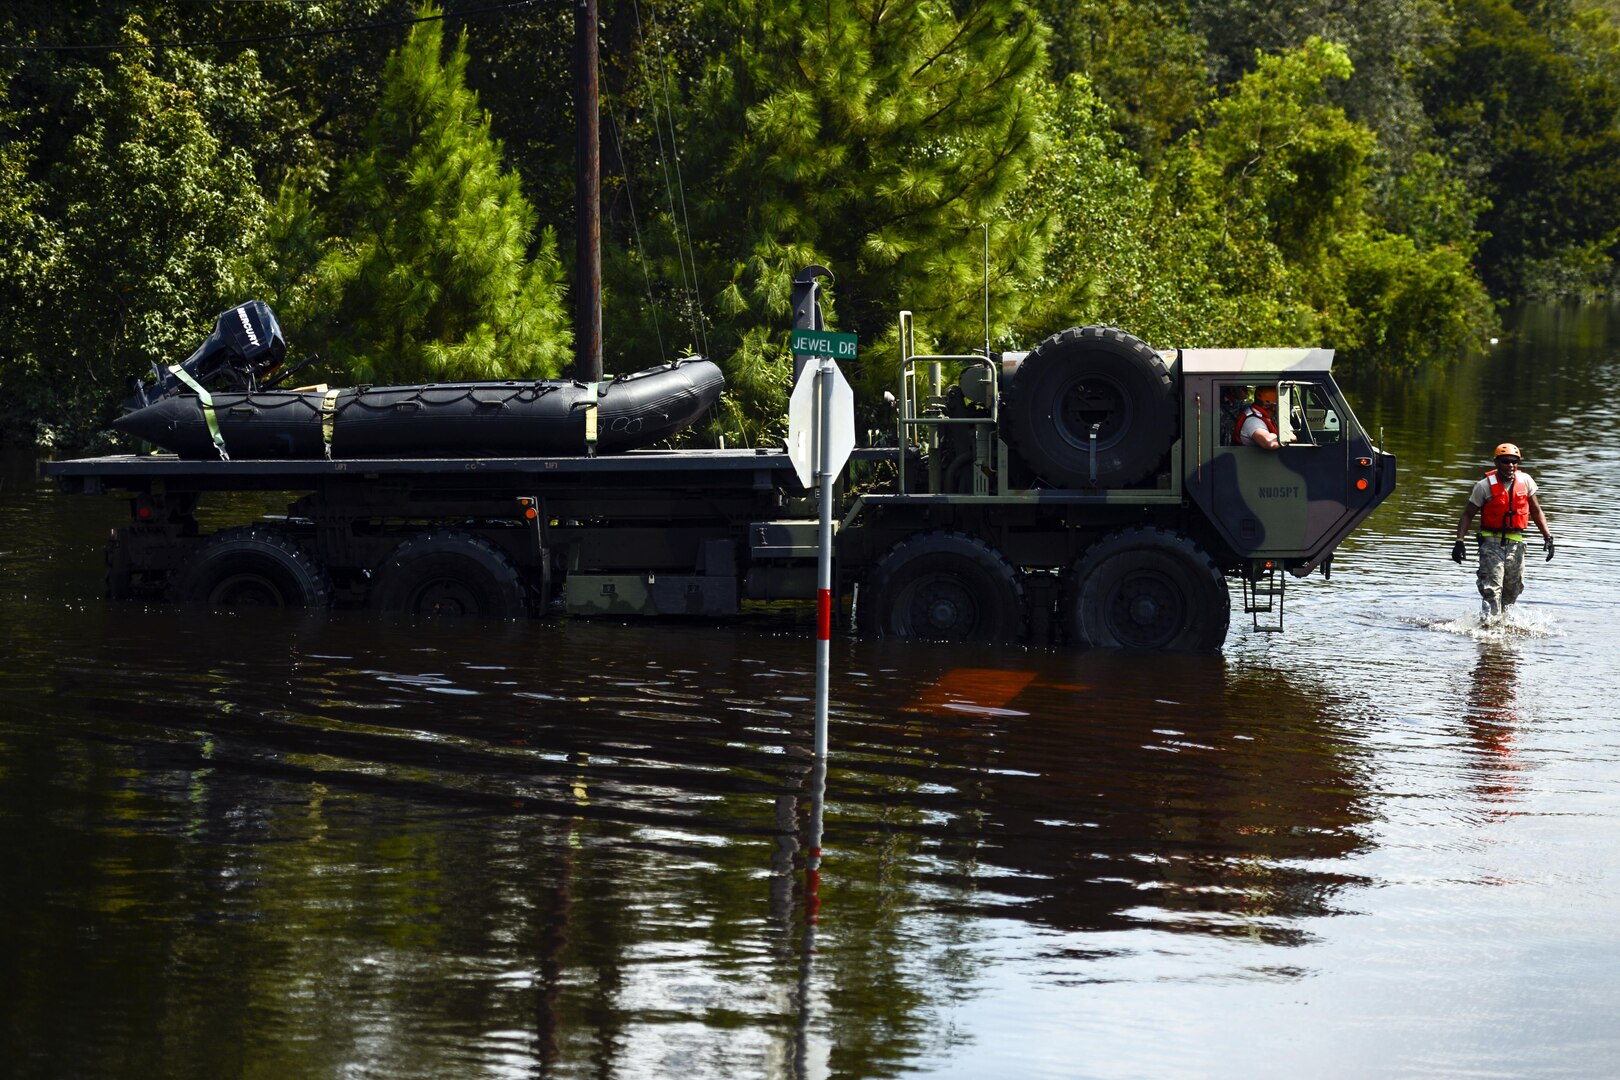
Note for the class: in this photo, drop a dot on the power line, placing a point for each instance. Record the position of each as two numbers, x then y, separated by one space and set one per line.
690 290
641 250
299 35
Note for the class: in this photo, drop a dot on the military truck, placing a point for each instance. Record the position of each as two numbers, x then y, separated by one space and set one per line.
1090 491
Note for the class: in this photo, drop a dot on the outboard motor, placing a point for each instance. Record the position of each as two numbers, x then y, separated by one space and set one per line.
245 347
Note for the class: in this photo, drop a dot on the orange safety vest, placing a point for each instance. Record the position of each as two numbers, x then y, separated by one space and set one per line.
1508 508
1251 410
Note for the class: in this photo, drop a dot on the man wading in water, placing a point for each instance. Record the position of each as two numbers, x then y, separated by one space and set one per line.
1505 502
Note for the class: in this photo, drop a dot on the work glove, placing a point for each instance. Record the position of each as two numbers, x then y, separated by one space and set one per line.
1459 549
1547 546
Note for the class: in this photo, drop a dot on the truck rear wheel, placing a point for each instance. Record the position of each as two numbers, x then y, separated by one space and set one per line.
1147 589
445 574
251 567
120 582
945 586
1084 378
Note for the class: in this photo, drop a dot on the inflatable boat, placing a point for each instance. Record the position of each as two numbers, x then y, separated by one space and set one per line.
241 419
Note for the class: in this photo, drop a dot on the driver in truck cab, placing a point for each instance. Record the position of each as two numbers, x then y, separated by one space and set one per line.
1257 423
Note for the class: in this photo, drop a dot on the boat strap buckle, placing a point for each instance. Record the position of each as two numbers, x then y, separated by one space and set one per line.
328 421
590 419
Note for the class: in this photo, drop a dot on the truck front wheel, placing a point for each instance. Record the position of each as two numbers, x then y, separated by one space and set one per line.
446 574
1147 589
945 586
251 567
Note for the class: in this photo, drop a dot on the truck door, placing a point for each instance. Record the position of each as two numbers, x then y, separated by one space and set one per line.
1293 502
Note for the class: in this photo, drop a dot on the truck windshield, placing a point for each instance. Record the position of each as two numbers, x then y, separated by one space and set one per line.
1313 414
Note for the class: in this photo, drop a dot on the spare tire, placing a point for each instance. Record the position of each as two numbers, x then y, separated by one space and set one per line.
1083 378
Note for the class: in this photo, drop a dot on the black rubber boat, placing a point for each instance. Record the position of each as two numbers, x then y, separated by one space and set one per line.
471 419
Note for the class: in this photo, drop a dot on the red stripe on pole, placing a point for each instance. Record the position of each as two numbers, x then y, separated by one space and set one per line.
824 615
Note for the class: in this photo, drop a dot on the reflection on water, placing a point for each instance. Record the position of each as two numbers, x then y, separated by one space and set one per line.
1492 724
616 866
269 845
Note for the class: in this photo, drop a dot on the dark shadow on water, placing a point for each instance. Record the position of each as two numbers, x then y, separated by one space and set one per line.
1086 791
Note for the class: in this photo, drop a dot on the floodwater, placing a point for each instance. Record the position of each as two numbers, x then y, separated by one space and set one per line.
1385 843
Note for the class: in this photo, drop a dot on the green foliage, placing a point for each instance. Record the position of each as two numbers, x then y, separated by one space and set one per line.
26 256
1298 173
1101 265
1301 174
1256 228
1398 305
1432 203
1142 57
1530 99
131 224
425 272
1185 254
1243 172
1295 167
876 146
1385 40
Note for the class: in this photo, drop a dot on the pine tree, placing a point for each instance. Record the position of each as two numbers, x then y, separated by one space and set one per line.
126 206
430 276
876 141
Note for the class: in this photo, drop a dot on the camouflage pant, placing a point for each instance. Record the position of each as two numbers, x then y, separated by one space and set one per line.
1501 573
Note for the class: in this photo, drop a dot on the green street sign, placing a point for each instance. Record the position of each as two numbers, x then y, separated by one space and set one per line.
824 343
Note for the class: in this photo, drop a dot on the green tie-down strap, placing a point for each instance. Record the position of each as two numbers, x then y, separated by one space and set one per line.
590 420
328 420
207 401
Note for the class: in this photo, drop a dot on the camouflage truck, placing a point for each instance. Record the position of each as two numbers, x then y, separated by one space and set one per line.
1090 491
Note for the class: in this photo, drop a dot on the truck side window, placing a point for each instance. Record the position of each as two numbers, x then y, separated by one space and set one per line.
1233 398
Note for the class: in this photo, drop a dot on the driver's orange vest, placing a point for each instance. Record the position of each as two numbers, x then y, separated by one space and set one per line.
1251 410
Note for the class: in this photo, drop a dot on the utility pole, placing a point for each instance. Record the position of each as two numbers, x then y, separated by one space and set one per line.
587 198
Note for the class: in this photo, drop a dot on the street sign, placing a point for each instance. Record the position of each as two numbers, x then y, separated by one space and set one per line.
823 343
803 423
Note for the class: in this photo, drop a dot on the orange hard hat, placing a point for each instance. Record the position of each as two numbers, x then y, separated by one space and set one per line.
1266 393
1508 449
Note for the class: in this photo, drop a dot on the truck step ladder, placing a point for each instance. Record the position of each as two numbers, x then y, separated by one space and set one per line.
1263 596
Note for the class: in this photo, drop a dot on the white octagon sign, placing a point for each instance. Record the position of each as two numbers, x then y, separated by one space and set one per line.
804 425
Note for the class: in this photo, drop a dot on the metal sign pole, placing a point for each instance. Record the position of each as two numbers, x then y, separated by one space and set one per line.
824 486
812 917
812 431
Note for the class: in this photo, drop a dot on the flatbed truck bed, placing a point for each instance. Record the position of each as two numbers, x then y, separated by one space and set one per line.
139 472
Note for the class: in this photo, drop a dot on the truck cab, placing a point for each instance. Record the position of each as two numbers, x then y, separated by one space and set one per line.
1111 475
1292 505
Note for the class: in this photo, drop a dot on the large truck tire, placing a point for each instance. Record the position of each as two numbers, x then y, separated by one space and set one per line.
1085 377
944 586
447 574
252 566
1147 589
120 583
